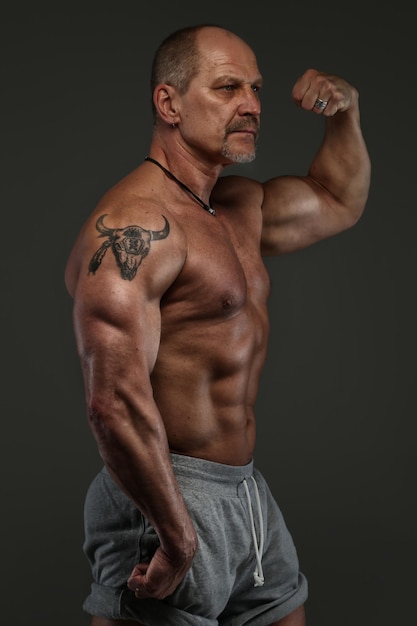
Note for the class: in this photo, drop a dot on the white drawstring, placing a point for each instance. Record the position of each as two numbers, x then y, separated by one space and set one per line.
258 574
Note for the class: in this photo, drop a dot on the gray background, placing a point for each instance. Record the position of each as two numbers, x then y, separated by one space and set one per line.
337 405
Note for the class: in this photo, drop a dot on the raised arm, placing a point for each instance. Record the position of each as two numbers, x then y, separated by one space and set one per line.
301 210
126 265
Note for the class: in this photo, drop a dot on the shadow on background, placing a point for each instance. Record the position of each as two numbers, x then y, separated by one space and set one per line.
336 407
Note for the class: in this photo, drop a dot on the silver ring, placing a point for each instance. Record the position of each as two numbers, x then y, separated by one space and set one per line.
320 104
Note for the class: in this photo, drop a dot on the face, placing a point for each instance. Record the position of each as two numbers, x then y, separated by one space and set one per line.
220 112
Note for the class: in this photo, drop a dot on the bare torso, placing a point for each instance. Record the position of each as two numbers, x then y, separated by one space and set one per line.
213 340
213 321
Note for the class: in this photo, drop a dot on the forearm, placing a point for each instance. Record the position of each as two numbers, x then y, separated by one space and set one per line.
342 165
136 453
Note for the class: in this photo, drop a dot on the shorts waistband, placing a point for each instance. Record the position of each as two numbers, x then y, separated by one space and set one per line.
212 476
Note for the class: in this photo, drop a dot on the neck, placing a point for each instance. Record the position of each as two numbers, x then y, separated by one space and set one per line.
206 207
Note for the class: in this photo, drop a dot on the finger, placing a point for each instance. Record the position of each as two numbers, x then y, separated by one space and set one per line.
136 579
307 89
336 101
316 101
320 104
318 95
139 570
145 588
314 89
331 94
146 581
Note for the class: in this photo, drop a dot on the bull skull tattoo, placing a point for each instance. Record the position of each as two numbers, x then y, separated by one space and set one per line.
130 245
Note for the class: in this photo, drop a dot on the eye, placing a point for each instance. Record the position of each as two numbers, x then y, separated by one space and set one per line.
256 88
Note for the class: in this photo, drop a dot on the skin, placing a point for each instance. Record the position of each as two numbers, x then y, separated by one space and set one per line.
172 357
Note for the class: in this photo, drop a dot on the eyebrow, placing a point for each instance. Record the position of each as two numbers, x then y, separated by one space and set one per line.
230 78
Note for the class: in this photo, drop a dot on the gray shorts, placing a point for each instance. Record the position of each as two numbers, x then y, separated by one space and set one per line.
224 585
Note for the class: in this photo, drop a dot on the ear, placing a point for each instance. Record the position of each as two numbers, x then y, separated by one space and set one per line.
165 99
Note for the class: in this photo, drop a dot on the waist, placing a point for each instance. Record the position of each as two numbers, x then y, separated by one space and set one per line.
224 439
218 478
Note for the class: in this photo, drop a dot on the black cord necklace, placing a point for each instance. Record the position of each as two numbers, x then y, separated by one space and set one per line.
205 206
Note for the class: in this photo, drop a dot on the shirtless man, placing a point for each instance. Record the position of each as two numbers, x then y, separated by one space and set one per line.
170 316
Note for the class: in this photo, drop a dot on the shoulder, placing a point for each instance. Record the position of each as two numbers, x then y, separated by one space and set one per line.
238 191
127 233
240 200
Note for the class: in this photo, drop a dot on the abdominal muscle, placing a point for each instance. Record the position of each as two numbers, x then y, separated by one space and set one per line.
205 383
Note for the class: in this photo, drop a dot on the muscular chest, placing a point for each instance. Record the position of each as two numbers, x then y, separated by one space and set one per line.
223 272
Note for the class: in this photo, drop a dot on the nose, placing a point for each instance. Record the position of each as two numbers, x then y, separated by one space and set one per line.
251 104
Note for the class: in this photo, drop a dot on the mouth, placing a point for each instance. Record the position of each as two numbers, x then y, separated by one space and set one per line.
248 132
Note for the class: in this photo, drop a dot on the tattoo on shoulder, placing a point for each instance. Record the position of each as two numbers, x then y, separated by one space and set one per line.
130 245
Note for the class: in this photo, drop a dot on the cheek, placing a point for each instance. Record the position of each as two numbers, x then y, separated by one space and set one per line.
204 125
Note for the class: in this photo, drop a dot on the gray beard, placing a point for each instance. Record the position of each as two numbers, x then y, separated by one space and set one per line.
238 157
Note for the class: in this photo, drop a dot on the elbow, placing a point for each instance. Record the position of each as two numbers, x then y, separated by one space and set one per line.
356 211
358 203
100 416
350 210
108 434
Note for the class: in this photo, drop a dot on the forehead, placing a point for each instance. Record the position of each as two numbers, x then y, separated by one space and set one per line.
223 53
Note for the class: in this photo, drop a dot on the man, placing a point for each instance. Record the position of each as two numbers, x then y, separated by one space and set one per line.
170 315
